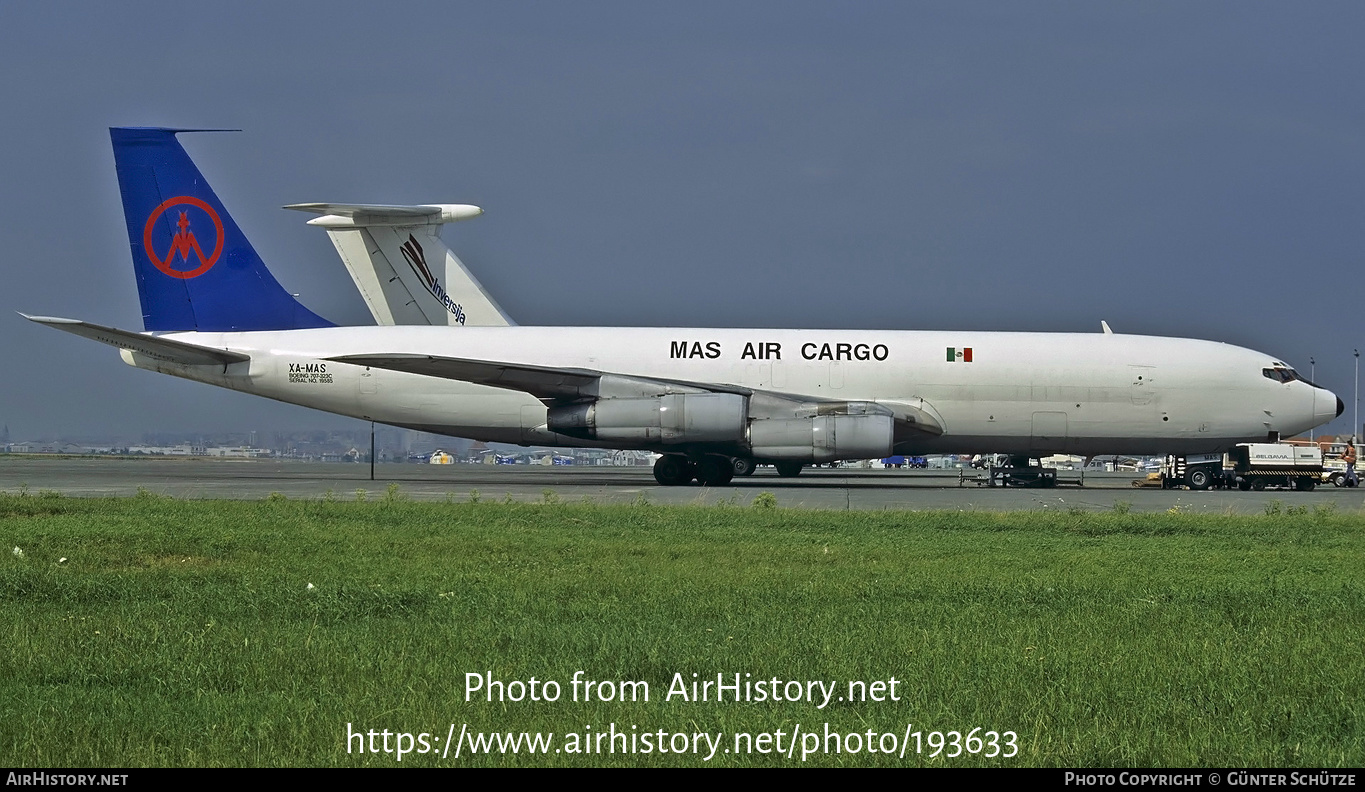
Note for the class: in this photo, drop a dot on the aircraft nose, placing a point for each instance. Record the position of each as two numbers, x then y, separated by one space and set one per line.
1324 401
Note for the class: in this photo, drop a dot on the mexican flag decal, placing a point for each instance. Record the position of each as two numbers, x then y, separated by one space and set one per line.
959 355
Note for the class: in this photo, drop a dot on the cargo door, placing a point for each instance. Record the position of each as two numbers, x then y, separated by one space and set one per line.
1141 388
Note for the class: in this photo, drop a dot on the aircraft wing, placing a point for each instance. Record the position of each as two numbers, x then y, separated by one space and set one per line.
544 382
164 349
564 385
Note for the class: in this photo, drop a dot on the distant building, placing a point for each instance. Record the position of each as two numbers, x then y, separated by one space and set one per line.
187 449
237 452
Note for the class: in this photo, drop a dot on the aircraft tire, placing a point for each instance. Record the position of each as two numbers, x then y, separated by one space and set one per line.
672 470
788 469
1244 485
714 471
1305 485
743 466
1199 479
1258 485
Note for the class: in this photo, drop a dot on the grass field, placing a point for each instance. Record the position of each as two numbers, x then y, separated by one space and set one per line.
184 633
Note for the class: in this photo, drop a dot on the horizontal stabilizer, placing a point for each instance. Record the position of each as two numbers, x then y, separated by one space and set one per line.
336 215
163 349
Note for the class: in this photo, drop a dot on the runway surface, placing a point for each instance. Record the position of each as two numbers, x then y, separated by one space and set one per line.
813 489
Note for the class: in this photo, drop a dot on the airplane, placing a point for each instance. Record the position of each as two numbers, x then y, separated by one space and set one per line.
714 402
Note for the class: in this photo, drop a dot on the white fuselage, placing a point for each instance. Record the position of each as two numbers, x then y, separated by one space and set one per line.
1021 393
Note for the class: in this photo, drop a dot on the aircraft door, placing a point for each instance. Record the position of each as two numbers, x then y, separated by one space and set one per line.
1140 386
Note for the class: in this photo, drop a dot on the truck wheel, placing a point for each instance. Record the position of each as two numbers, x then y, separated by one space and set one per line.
1338 479
1244 485
1258 485
1307 484
1199 479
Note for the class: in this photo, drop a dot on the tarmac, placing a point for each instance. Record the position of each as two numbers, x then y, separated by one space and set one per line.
815 488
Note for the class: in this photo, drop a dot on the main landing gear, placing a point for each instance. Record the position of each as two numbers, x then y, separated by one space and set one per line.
712 470
675 470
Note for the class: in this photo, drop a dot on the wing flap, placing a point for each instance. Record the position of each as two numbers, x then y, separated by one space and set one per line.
163 349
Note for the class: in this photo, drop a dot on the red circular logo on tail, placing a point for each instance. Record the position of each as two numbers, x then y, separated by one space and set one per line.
183 241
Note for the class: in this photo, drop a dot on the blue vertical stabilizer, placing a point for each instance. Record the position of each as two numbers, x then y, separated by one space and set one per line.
195 269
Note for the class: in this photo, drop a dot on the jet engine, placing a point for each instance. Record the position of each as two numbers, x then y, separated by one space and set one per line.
823 438
674 418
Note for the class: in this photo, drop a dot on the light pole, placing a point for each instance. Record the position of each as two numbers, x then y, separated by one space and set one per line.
1312 377
1355 413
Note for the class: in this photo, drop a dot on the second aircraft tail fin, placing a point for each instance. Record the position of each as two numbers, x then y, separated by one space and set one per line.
403 270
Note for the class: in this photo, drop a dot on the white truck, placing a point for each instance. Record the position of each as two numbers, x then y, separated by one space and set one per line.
1258 465
1247 466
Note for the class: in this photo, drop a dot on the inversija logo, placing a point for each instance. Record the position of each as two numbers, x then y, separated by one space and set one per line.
417 259
183 241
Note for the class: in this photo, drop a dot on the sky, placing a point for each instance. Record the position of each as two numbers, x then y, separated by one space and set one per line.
1186 169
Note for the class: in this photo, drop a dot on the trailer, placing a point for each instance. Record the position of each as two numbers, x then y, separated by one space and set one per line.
1026 472
1247 466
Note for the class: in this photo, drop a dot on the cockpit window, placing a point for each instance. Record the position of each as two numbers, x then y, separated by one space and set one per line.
1284 374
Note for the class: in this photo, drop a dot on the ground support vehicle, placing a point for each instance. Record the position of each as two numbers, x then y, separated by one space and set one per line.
1258 465
1248 466
1197 471
1025 472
